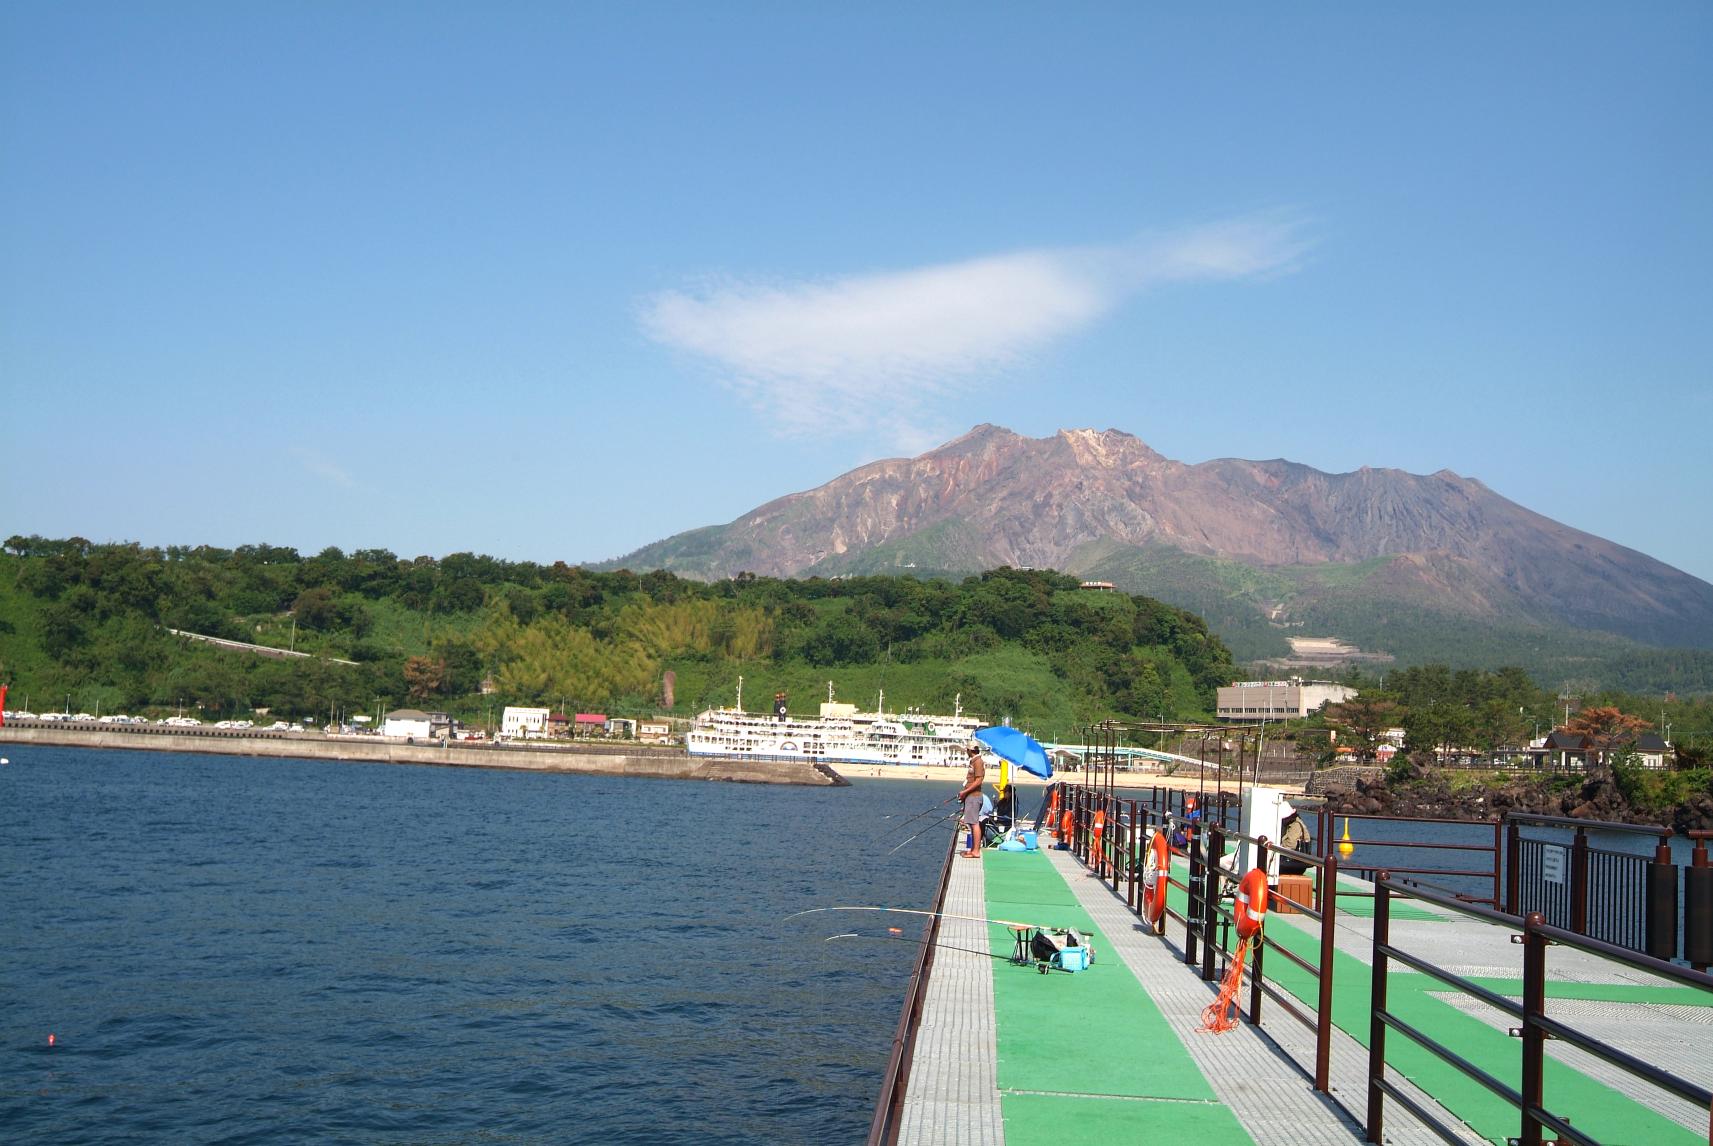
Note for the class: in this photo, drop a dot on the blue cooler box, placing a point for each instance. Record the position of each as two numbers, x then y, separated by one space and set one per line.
1072 959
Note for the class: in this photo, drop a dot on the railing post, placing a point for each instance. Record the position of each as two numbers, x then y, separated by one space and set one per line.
1534 1038
1513 868
1579 883
1323 999
1114 830
1376 1123
1130 837
1322 847
1660 916
1213 849
1085 828
1077 825
1255 994
1192 904
1107 833
1080 829
1496 834
1698 905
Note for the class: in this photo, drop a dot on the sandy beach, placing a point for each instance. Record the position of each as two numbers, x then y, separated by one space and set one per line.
954 776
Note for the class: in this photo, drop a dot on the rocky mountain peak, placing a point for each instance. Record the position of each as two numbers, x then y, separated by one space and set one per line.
993 497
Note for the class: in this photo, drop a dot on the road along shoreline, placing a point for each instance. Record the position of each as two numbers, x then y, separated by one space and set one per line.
602 760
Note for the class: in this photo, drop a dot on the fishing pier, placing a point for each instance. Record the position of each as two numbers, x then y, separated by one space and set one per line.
1379 1006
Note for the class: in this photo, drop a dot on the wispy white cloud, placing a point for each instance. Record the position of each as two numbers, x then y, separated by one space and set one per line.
321 466
897 340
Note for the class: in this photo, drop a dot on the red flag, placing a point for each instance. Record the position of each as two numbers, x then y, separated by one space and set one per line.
2 704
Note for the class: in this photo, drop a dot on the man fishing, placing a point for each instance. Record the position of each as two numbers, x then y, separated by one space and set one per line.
971 795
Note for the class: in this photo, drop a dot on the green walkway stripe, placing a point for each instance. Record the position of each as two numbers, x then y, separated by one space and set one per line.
1058 1118
1088 1053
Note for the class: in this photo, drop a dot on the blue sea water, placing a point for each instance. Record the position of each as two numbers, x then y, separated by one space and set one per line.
230 949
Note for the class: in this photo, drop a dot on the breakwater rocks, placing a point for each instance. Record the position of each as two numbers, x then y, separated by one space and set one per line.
1418 791
596 760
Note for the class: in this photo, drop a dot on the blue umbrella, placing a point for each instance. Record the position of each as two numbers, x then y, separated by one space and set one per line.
1018 747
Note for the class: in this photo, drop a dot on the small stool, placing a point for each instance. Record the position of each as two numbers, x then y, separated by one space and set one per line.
1023 933
1294 891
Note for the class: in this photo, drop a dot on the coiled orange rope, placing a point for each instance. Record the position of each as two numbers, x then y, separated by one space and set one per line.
1220 1015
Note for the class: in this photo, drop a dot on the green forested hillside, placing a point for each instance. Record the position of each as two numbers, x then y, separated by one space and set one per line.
86 626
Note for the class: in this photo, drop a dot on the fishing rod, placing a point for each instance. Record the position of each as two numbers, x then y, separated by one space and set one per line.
919 815
941 915
936 824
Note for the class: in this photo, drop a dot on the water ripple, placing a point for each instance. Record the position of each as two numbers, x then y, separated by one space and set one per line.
238 951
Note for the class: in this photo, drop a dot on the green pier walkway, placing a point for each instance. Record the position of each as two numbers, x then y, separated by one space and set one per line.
1114 1054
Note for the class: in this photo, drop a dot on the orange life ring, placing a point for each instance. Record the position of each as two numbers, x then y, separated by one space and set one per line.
1066 826
1156 870
1250 906
1094 845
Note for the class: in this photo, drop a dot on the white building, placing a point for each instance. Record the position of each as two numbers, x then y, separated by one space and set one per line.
1252 701
523 722
406 722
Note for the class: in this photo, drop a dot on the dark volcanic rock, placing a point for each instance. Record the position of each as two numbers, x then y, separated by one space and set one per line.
1598 797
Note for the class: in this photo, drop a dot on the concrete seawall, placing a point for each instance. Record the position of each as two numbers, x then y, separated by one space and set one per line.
630 760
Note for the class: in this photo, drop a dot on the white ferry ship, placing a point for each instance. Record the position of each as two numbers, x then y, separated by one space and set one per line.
840 734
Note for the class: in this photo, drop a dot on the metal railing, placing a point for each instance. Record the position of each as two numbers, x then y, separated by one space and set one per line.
1208 922
1618 897
889 1106
1117 857
1536 935
1488 875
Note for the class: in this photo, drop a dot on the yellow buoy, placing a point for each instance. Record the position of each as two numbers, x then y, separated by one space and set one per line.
1345 847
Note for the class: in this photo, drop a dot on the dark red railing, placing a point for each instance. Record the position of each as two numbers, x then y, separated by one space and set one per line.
1536 936
1618 897
1327 840
1207 921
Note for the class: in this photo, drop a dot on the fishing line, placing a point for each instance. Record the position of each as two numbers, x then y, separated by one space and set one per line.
919 943
920 814
912 839
939 915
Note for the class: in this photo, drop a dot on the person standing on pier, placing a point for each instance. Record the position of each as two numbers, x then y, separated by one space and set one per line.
970 793
1294 834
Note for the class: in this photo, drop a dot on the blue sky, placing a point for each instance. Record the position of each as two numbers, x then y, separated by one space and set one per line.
551 281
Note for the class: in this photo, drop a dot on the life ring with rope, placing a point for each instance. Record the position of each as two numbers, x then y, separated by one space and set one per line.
1250 906
1156 870
1094 853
